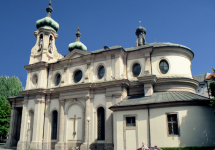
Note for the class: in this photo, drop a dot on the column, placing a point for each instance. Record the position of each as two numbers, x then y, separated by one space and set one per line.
60 144
12 130
47 127
38 122
23 134
117 67
113 66
108 123
87 114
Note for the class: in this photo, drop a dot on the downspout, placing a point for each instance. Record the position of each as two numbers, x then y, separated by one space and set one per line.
149 126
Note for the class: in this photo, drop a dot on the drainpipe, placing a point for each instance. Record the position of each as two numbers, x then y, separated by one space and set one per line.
149 126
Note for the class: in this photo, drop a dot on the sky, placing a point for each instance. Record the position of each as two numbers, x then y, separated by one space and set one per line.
107 23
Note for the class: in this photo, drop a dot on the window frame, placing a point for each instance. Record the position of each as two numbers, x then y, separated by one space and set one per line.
52 125
75 74
130 124
55 78
100 140
173 135
164 59
33 79
98 71
133 68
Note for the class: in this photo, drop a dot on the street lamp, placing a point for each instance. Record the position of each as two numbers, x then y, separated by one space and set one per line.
27 134
88 119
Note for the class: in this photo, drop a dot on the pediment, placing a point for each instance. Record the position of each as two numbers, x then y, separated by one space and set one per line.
76 53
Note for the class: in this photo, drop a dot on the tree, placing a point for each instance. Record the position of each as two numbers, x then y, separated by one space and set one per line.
8 87
212 89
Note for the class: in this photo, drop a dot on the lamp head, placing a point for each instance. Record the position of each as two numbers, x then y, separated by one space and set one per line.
29 121
88 118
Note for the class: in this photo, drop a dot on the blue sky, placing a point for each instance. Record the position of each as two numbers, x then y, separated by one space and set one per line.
107 22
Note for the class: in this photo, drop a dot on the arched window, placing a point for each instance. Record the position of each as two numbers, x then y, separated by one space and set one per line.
50 44
40 43
101 123
54 125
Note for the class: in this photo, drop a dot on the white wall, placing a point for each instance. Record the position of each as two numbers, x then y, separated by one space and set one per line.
178 66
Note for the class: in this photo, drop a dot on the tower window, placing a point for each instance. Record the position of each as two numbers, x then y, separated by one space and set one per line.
164 66
50 44
57 79
78 76
40 43
136 69
35 79
101 72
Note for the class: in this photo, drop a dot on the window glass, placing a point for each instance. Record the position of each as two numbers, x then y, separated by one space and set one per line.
57 79
78 76
101 72
101 123
164 66
54 125
172 124
130 121
136 69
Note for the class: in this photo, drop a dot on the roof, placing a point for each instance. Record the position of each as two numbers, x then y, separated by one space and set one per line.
157 44
160 97
210 76
199 78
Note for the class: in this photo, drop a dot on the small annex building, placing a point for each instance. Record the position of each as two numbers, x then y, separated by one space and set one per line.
114 97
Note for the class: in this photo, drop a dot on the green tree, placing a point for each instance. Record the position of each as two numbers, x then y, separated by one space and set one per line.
212 89
8 87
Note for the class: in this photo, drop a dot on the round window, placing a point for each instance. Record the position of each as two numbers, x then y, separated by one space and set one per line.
101 72
57 79
35 79
78 76
136 69
164 66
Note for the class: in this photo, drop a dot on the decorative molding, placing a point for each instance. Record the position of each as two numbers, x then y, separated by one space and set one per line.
72 103
147 79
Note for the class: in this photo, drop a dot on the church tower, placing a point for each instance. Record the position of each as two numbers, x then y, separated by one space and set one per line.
45 49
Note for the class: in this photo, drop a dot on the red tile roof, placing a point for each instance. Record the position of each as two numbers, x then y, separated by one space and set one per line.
211 75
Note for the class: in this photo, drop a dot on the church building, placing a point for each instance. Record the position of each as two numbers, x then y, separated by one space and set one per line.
113 98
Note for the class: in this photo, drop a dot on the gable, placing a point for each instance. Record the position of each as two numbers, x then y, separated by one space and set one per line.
76 53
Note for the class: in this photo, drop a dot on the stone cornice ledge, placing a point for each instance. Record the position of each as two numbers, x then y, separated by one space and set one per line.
36 65
76 87
180 80
146 79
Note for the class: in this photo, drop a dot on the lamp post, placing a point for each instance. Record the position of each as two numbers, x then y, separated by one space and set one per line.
27 135
88 119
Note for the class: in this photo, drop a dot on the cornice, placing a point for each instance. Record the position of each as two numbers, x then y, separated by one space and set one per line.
160 105
36 65
146 79
46 31
181 80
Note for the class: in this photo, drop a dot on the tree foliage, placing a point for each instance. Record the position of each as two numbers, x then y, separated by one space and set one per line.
8 87
212 89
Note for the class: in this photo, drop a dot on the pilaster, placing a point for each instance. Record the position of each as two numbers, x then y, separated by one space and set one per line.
108 120
108 68
23 134
38 122
60 144
147 64
47 131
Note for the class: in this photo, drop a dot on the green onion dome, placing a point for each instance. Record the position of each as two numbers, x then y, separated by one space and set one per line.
140 30
48 22
77 44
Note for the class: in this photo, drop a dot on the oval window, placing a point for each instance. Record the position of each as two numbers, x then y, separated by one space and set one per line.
78 76
57 79
101 72
164 66
35 79
136 69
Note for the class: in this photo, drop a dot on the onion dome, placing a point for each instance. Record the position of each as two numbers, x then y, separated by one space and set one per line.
48 22
140 30
77 44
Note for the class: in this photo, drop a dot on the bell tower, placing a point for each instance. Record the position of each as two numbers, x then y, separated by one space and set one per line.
45 49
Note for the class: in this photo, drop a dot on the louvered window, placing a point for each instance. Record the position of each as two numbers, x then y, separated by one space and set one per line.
101 123
172 124
54 125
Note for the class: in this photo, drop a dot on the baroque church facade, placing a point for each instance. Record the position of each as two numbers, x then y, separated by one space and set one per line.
113 98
